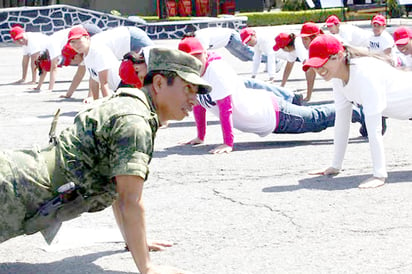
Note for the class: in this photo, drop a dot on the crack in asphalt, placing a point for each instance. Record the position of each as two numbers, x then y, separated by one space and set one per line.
221 195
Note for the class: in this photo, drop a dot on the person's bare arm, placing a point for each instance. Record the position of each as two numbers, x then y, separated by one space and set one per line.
41 80
24 68
131 210
286 73
310 82
104 83
132 215
388 51
77 79
93 89
33 58
53 73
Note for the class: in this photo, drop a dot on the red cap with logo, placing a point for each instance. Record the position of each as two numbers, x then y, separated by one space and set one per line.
320 49
68 54
402 36
246 34
379 19
332 21
16 32
128 74
77 32
282 40
310 29
191 45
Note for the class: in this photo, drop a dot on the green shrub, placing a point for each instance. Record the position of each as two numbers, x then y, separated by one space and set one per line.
290 17
394 9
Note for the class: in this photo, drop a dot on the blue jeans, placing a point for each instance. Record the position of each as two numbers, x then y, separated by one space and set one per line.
300 119
139 39
240 50
280 92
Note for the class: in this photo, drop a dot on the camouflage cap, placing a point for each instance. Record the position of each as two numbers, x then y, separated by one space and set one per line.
186 66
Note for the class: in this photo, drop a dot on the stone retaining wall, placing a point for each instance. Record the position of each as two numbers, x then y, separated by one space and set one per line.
56 17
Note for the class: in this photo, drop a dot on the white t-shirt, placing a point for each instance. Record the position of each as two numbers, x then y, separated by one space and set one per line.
379 43
215 37
406 60
301 52
353 35
382 90
117 39
264 46
36 42
100 58
57 41
253 110
289 56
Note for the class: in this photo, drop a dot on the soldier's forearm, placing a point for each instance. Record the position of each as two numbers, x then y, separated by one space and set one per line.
133 220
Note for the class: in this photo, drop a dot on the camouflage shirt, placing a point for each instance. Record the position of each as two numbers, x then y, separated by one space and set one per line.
114 138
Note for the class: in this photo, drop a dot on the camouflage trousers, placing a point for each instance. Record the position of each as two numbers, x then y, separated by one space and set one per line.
24 186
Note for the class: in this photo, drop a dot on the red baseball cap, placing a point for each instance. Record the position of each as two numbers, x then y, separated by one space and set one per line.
191 45
309 29
332 20
282 40
68 54
128 74
16 32
77 32
246 34
379 19
402 36
320 49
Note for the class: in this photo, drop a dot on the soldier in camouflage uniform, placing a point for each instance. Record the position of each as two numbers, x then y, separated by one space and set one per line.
105 154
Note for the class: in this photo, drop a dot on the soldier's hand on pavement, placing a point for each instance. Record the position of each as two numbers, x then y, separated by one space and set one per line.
221 149
328 171
158 245
195 141
372 182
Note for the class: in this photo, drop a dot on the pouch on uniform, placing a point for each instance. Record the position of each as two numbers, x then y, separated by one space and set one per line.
50 224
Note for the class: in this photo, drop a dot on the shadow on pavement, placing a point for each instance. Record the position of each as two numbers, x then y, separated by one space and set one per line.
190 124
246 146
339 183
75 264
243 146
65 100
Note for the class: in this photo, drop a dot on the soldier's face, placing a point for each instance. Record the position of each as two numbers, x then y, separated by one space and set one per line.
174 102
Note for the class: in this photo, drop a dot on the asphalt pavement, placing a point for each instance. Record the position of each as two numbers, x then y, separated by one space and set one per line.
255 210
